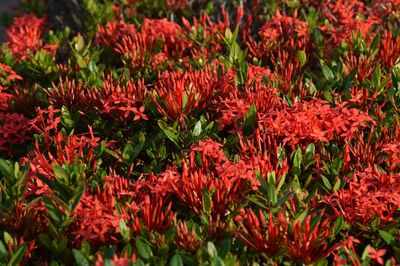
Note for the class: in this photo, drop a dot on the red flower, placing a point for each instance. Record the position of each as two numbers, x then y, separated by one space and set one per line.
264 235
389 50
116 100
280 33
7 74
234 102
185 239
5 99
377 255
117 261
96 221
25 37
157 215
368 195
226 183
308 243
346 17
14 130
120 100
169 32
179 94
113 32
315 121
177 4
60 150
139 48
15 243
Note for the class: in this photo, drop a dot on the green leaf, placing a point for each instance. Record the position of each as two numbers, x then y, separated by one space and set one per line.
143 249
310 152
206 200
264 184
3 250
62 191
138 148
17 255
338 225
224 247
211 249
387 237
79 43
326 183
218 261
336 187
298 158
6 169
301 54
300 218
347 81
328 96
45 240
337 165
169 132
80 259
126 153
66 118
376 77
375 42
328 74
197 129
365 252
283 199
60 173
55 214
92 66
272 195
250 120
256 200
185 98
176 260
124 231
73 202
108 262
8 238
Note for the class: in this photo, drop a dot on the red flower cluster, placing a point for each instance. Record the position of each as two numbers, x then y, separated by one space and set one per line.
369 195
281 33
306 243
180 94
267 133
14 130
25 37
315 121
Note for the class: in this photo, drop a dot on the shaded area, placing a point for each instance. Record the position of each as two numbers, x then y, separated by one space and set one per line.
6 6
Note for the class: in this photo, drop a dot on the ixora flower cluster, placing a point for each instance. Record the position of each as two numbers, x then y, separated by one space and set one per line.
188 133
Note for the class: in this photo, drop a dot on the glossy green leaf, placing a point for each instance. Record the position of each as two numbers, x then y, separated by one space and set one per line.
66 118
80 259
339 222
169 132
250 120
302 57
143 249
211 249
387 237
176 260
207 201
17 255
327 72
197 129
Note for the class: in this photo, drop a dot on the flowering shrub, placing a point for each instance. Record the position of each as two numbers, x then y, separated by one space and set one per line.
194 133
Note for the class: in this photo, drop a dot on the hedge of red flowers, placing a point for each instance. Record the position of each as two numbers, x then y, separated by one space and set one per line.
201 133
